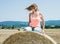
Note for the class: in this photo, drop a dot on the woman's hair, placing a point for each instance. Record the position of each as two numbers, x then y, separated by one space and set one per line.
33 6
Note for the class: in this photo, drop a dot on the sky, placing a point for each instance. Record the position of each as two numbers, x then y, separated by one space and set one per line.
14 10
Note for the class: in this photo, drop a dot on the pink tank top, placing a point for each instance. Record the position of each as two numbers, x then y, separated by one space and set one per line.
35 21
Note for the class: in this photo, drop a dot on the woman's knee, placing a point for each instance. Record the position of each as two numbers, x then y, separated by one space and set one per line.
27 29
37 29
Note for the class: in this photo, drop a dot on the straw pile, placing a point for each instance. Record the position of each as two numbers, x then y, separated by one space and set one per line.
29 38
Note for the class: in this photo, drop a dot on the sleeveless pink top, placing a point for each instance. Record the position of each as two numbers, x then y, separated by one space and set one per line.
35 21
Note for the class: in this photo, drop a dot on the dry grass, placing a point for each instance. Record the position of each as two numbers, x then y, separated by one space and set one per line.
54 33
28 38
32 38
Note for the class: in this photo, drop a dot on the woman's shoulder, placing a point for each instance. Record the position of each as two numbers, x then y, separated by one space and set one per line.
30 14
40 14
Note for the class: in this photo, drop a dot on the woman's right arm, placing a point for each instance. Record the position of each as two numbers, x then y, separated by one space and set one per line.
29 19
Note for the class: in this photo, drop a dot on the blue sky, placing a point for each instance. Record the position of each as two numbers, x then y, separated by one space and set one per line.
14 10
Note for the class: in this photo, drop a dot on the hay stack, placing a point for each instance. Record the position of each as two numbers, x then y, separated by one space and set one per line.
29 38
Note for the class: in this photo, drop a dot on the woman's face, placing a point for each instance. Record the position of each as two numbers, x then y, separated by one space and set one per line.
33 10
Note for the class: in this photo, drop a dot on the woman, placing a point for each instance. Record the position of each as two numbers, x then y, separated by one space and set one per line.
35 18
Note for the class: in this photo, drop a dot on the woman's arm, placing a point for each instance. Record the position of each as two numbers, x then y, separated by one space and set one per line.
43 22
29 19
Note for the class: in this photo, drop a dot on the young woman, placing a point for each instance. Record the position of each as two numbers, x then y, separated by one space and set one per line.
35 18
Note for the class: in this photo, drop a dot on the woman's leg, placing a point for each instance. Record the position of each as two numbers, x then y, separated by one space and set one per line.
27 29
37 29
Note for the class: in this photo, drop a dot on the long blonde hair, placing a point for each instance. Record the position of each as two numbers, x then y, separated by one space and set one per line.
33 6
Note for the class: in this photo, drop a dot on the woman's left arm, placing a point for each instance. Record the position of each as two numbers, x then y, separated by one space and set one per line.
43 22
